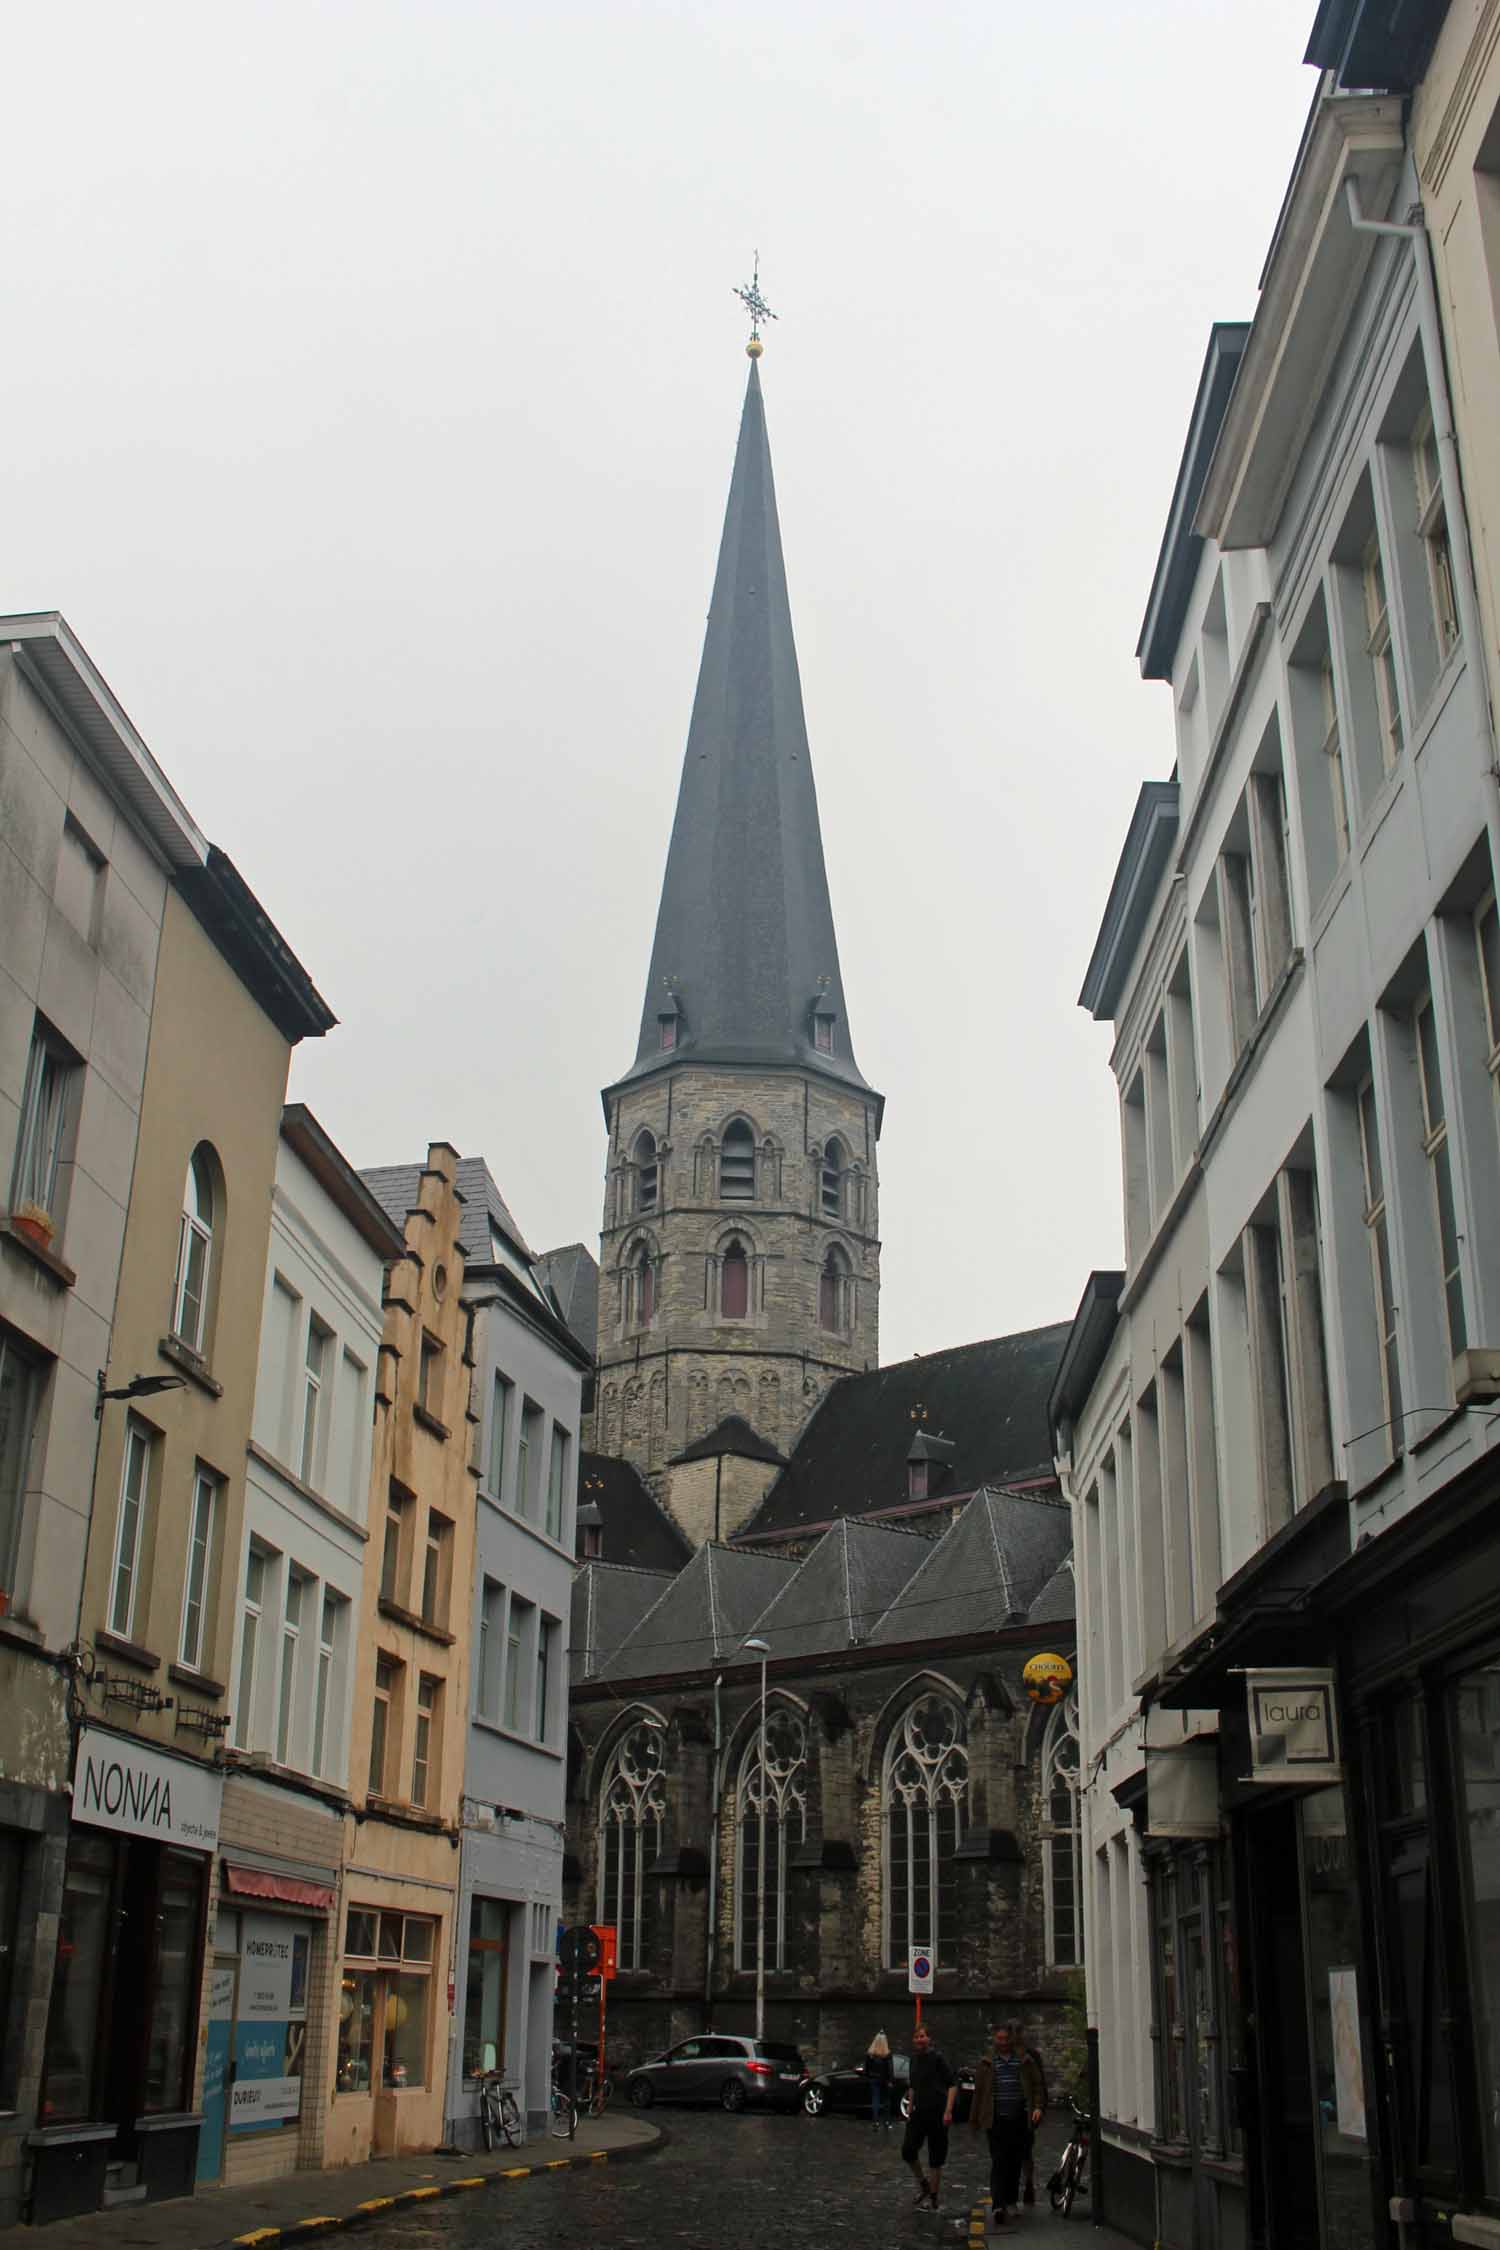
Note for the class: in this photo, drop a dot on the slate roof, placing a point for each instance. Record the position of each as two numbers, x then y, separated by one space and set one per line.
572 1274
744 941
1058 1598
609 1601
842 1590
395 1187
732 1435
989 1398
983 1573
702 1616
634 1527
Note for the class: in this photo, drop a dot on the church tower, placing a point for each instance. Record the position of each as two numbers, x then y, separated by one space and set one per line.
739 1254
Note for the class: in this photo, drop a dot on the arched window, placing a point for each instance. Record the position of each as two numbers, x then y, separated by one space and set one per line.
926 1784
737 1163
834 1161
834 1292
643 1278
734 1282
1062 1838
782 1790
632 1806
195 1245
643 1156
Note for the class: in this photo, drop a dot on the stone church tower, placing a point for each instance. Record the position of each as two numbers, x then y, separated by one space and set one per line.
739 1254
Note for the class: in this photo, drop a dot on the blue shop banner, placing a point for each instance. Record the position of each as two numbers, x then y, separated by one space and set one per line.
270 2031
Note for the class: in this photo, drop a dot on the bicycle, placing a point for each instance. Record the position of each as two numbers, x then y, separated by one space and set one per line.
499 2111
563 2118
1071 2173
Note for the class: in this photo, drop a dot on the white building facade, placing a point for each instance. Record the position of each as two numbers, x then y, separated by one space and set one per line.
1300 961
528 1373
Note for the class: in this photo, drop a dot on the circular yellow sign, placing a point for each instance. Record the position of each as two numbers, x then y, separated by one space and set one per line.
1047 1678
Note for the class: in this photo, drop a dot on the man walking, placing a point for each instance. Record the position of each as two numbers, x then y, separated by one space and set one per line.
1007 2106
933 2087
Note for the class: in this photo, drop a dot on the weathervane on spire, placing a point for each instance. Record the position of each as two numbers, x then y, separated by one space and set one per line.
755 304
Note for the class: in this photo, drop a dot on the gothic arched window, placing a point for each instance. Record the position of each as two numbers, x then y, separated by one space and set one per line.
834 1161
833 1292
632 1806
737 1163
926 1784
783 1791
1062 1838
734 1282
643 1156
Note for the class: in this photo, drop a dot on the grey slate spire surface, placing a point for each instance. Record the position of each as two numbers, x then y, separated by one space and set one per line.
744 933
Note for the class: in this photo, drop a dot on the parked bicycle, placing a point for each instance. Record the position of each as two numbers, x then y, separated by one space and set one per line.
1072 2172
564 2118
499 2111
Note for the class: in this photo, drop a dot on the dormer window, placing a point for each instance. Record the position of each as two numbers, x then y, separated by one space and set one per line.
667 1031
643 1155
833 1179
823 1034
916 1479
737 1163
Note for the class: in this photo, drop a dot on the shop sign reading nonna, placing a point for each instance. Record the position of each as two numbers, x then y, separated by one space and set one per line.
139 1791
1293 1726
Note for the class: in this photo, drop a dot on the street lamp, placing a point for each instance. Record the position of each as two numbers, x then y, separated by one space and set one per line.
762 1649
139 1386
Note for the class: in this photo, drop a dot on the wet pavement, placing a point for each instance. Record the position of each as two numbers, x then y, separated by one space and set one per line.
745 2183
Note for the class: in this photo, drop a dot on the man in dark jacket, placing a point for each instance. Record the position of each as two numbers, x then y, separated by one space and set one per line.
1007 2105
933 2088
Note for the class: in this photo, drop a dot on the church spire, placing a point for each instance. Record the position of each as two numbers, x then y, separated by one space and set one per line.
745 967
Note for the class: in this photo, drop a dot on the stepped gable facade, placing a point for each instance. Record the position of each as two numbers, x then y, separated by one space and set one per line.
913 1794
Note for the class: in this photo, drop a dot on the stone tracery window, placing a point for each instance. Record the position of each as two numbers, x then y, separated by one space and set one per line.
1062 1837
632 1807
926 1788
784 1789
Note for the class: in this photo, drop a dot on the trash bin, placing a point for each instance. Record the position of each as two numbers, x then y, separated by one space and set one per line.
167 2153
67 2170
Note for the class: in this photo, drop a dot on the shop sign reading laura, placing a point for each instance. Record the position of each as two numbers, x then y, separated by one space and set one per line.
143 1792
1293 1726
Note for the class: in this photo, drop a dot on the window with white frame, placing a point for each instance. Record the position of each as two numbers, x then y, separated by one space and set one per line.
490 1668
1440 1166
437 1569
1381 651
195 1249
926 1786
632 1809
547 1641
291 1641
384 1720
256 1564
196 1579
1062 1838
1377 1230
1487 945
327 1759
130 1528
557 1483
1333 752
425 1739
501 1394
520 1627
20 1382
1432 524
529 1458
314 1416
52 1075
776 1789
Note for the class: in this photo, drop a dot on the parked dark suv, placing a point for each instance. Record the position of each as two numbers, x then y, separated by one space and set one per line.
721 2067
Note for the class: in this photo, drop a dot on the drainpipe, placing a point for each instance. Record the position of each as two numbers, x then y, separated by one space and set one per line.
713 1868
1415 231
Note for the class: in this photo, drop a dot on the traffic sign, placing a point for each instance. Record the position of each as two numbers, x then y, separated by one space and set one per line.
919 1969
608 1938
580 1947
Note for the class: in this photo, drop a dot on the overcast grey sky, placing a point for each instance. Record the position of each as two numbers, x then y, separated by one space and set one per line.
370 387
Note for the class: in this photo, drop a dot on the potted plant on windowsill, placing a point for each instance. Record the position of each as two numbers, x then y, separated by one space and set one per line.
30 1220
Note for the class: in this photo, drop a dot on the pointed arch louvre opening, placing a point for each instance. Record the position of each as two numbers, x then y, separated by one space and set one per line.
781 1786
737 1163
632 1808
925 1790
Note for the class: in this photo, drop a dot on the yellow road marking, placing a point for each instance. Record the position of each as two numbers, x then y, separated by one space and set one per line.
416 2195
517 2172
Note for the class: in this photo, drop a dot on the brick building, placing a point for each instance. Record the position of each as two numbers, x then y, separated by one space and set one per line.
893 1536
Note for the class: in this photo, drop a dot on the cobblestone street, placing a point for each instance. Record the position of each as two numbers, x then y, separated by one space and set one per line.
741 2183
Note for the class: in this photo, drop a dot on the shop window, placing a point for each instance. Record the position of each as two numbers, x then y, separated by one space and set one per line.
385 2001
270 2018
195 1250
777 1788
926 1786
78 1985
1417 1995
196 1581
20 1382
172 2015
1062 1838
485 1987
130 1528
632 1808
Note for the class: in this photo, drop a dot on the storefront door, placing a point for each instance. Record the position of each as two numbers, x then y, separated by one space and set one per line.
216 2070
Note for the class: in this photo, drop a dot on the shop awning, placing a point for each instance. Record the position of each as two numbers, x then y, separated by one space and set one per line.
286 1890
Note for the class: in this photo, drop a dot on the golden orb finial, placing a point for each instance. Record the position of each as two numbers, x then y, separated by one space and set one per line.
754 348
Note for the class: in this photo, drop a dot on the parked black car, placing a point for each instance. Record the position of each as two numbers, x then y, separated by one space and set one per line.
845 2090
721 2067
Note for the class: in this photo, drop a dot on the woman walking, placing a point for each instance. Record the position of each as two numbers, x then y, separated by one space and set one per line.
878 2069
